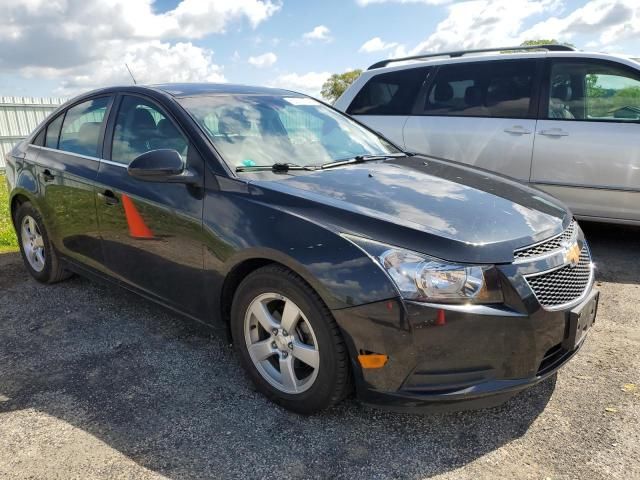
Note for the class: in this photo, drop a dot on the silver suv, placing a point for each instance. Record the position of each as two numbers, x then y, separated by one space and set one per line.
565 121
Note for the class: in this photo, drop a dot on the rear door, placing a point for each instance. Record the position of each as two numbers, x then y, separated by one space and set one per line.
386 100
151 232
67 169
587 146
482 113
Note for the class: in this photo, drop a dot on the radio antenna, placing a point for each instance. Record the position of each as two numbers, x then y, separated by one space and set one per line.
132 77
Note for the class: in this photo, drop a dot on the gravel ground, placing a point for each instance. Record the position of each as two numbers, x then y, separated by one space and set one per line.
97 383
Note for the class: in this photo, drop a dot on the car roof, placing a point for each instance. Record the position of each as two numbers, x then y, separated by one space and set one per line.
443 60
195 89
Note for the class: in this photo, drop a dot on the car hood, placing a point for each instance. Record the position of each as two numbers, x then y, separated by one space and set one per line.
441 208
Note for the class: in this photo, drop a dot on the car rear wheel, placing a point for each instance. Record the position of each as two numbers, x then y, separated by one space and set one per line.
289 342
38 253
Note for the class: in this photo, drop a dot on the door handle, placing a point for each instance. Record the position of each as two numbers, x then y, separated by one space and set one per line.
554 132
517 130
47 176
109 197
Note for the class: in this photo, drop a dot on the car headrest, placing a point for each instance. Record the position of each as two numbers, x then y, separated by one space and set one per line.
562 92
167 129
233 121
473 96
88 133
443 92
142 120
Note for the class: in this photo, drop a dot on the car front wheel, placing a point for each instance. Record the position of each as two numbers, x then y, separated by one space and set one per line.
289 342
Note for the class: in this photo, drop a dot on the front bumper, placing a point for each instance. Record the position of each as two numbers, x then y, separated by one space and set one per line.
480 356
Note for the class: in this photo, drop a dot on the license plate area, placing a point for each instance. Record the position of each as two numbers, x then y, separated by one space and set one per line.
580 319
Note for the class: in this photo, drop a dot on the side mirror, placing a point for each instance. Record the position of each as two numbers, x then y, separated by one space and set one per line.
163 165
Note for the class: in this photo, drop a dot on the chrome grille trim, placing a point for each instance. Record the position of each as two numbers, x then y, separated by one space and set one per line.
546 247
565 286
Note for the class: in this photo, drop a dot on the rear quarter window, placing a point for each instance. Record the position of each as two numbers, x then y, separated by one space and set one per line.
392 93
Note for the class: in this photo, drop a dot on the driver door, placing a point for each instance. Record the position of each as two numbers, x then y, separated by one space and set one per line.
151 232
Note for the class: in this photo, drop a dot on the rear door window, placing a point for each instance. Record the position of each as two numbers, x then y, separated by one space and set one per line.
502 89
53 132
595 91
82 126
392 93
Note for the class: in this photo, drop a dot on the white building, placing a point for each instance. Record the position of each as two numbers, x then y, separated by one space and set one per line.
19 116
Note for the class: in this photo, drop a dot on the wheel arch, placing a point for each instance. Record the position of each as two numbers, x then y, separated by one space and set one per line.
16 201
342 275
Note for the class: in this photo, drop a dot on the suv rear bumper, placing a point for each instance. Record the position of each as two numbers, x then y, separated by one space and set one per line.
478 357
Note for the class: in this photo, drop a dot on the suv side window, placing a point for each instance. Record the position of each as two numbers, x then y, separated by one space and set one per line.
501 89
595 91
392 93
142 126
81 127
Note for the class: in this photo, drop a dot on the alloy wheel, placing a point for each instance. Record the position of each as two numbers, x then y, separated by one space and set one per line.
281 343
33 243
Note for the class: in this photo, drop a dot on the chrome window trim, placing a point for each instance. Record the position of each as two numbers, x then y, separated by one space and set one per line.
86 157
48 149
111 162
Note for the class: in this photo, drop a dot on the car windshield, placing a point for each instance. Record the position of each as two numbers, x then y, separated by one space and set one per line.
262 130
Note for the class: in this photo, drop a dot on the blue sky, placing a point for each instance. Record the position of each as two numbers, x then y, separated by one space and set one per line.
63 47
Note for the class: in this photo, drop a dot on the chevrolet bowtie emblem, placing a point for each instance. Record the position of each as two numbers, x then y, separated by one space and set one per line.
572 255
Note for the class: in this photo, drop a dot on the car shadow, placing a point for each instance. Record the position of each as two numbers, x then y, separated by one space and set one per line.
167 394
614 249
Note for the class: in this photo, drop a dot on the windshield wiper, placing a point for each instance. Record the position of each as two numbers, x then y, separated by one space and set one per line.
362 159
276 167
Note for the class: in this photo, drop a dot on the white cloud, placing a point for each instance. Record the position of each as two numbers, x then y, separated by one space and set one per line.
264 60
310 82
318 33
607 21
150 62
376 45
364 3
85 42
483 23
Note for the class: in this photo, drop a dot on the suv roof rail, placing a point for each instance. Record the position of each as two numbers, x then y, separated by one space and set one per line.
552 47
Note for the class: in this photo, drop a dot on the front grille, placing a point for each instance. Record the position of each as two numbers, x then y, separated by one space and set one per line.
554 243
563 285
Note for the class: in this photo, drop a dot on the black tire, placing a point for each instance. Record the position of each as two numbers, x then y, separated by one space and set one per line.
53 270
333 381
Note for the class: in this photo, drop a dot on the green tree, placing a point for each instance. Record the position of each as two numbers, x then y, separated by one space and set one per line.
337 83
553 41
593 89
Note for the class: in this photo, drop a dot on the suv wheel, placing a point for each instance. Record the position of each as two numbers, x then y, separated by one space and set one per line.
38 253
289 342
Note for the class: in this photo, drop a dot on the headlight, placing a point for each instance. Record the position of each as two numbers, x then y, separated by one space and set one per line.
423 278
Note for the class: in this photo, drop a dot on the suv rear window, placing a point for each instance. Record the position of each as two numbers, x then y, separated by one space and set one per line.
483 89
392 93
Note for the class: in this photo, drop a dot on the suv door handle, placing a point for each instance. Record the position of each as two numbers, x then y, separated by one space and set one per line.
554 132
109 197
47 176
517 130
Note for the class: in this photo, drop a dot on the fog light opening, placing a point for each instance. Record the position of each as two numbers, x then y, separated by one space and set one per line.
372 360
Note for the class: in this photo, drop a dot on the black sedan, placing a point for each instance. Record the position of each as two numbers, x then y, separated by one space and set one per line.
335 260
